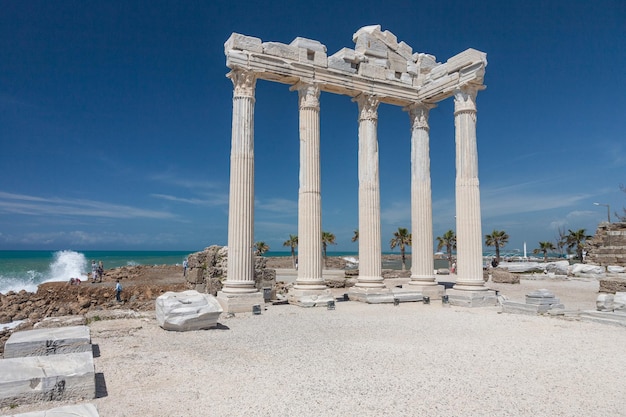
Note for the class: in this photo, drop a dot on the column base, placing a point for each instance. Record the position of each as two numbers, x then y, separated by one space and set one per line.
239 302
433 291
464 298
371 295
309 298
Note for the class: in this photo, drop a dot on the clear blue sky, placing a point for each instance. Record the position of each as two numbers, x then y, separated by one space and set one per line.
115 120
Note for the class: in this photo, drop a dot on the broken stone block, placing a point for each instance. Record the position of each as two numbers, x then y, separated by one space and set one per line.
619 301
187 311
281 50
243 43
34 379
48 341
370 46
604 302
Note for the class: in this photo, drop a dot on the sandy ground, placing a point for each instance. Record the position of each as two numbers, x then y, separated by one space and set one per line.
367 360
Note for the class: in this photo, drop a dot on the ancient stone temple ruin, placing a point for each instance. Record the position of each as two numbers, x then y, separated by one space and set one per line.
378 70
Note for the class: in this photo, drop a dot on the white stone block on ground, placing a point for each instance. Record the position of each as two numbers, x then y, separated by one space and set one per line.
614 269
466 298
35 379
78 410
619 301
604 302
48 341
187 310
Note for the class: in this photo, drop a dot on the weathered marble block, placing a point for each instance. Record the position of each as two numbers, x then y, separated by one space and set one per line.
47 378
604 302
48 341
77 410
619 301
541 297
187 310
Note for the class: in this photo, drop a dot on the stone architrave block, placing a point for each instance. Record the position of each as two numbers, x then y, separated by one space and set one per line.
405 51
187 311
48 341
34 379
281 50
311 51
370 46
341 64
372 71
76 410
466 58
604 302
619 301
243 43
379 62
396 62
310 44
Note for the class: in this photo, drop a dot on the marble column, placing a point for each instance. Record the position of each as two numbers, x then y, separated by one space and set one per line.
309 195
422 258
370 266
240 278
468 222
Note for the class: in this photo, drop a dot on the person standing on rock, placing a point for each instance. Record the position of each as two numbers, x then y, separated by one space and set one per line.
100 271
94 271
185 266
118 291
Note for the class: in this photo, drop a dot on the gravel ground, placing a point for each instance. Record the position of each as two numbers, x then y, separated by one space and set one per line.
367 360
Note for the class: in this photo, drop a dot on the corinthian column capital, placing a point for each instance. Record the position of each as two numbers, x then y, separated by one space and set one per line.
368 106
418 113
244 82
308 95
465 99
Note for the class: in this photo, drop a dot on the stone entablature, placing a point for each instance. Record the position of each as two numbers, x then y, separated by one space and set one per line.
379 65
608 245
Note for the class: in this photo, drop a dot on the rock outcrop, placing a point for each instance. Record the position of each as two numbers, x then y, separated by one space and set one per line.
208 269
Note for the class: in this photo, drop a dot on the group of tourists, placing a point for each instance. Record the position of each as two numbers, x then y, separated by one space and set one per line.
97 271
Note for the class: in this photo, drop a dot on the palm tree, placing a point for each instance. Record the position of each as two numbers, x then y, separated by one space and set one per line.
449 241
577 240
497 238
327 239
561 240
260 248
402 239
292 242
356 235
544 247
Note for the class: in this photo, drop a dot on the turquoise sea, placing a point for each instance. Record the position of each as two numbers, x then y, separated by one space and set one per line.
24 270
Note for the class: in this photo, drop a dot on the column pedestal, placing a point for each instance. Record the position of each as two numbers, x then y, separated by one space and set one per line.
465 298
239 302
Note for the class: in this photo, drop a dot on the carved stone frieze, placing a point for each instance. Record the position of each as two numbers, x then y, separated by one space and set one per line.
379 64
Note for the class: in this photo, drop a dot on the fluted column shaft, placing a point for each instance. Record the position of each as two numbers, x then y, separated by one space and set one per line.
309 195
240 278
422 259
370 267
468 222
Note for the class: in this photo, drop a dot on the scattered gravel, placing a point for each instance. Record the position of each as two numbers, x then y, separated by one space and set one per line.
366 360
